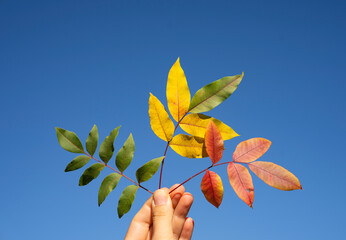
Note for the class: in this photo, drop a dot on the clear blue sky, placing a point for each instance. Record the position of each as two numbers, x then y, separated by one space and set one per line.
73 64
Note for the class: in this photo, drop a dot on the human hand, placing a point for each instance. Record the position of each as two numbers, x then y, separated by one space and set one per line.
163 217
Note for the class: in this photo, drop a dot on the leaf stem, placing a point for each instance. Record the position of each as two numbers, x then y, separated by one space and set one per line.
163 161
181 184
106 165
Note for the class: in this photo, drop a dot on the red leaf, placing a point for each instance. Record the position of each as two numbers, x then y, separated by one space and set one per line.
275 175
250 150
212 188
213 142
241 181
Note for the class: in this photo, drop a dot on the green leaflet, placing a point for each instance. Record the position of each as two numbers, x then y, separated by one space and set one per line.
77 163
108 185
91 142
214 93
69 141
107 148
126 200
145 172
125 154
91 173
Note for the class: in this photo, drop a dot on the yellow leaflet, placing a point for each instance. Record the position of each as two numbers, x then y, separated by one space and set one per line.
178 93
189 146
196 125
160 122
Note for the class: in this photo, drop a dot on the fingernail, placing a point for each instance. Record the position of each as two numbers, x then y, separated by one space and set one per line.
160 197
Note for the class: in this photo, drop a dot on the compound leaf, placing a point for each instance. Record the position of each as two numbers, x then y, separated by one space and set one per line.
196 125
91 173
241 181
189 146
275 175
108 184
69 141
126 199
214 142
91 142
177 91
160 122
250 150
212 188
214 93
77 163
107 147
145 172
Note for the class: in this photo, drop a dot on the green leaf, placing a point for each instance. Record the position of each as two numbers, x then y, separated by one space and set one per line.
107 148
107 185
91 142
69 141
77 163
126 200
214 93
145 172
91 173
125 154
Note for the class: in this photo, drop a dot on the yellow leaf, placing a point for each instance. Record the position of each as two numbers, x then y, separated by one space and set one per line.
189 146
178 93
160 122
196 125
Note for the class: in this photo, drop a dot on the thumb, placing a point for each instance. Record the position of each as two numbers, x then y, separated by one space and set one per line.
162 212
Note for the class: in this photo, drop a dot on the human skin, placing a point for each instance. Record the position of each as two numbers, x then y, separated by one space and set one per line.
163 217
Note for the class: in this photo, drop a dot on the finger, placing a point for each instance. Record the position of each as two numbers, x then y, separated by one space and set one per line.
140 224
176 194
180 214
162 212
186 234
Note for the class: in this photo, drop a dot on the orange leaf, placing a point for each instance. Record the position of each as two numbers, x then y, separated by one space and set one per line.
275 175
241 181
212 188
250 150
213 142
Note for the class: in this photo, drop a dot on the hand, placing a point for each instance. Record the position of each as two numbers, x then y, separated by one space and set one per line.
163 217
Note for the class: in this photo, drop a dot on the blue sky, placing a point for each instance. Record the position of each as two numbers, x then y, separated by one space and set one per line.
73 64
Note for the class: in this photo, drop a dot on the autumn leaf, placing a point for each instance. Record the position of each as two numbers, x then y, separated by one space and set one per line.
160 122
212 188
213 142
177 91
189 146
196 125
241 181
275 175
250 150
214 93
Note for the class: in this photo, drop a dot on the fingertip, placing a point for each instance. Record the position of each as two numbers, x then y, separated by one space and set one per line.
187 231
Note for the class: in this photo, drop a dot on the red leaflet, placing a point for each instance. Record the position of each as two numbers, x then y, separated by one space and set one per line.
241 181
251 150
275 175
212 188
213 142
